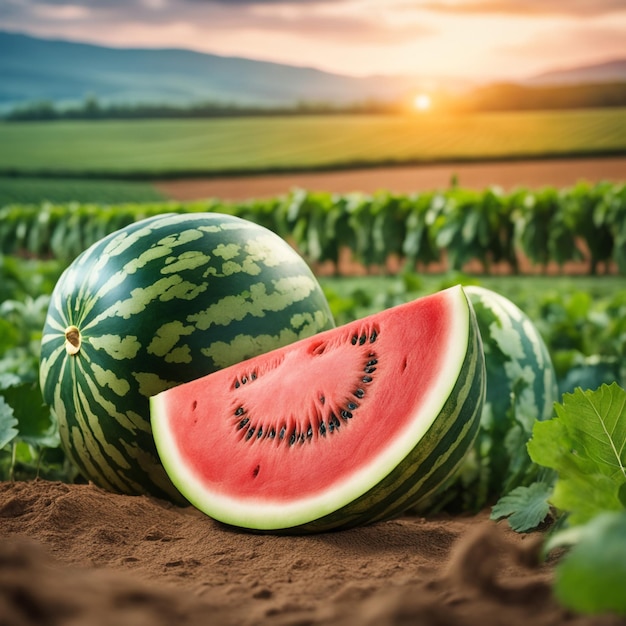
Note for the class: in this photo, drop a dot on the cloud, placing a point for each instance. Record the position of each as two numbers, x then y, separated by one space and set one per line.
574 8
567 47
307 18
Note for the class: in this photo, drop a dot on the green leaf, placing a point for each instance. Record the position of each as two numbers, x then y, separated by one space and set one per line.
525 507
35 423
8 424
586 445
586 496
590 578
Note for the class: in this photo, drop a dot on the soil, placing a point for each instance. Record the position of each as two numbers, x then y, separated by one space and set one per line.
404 179
75 554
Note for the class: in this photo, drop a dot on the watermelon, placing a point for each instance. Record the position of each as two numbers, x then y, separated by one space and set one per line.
351 426
163 301
521 388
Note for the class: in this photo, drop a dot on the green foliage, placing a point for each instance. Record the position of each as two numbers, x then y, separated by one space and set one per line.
583 451
8 423
586 335
29 441
585 447
454 228
590 578
474 226
29 190
526 506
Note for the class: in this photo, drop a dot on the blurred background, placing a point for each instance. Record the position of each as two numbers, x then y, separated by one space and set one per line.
156 90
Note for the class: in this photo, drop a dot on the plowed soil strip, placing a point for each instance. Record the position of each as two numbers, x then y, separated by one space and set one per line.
404 179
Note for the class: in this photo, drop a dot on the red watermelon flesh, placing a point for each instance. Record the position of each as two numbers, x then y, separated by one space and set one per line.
299 434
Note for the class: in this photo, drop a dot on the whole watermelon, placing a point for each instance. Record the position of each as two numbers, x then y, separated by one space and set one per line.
521 388
158 303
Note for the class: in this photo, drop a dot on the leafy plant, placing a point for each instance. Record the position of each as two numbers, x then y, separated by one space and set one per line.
29 440
585 446
458 225
590 579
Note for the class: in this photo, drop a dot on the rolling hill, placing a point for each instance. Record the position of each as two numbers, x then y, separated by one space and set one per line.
33 69
607 72
67 72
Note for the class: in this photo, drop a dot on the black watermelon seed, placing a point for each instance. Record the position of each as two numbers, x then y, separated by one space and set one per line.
354 340
373 336
239 411
367 379
259 433
249 434
309 432
334 420
352 405
362 339
292 439
322 429
253 376
369 370
322 400
237 385
372 362
271 434
243 423
244 380
281 434
346 414
359 393
331 426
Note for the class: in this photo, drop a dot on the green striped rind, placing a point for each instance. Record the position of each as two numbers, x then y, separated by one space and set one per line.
521 388
161 302
432 461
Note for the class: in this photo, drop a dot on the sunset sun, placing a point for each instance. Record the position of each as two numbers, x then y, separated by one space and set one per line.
422 102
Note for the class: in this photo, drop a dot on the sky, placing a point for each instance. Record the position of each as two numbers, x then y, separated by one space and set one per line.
472 39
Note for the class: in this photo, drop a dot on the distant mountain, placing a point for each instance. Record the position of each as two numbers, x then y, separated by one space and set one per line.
67 72
64 72
607 72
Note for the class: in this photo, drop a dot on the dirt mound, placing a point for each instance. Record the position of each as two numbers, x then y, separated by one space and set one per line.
74 554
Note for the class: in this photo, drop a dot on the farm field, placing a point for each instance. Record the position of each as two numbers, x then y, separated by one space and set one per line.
35 190
186 567
67 544
401 179
178 148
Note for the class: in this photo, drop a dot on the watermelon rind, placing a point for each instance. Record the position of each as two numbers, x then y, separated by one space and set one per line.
158 303
521 388
409 469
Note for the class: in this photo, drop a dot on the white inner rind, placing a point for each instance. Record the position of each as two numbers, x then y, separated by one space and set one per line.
263 515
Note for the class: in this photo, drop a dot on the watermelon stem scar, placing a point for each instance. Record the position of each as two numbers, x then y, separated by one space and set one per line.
72 340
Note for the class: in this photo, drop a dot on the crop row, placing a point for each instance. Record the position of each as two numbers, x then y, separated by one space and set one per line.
444 229
165 148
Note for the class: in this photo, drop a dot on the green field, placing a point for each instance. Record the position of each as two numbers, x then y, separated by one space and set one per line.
165 148
27 190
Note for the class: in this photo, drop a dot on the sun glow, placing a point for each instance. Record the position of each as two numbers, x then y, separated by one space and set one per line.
422 102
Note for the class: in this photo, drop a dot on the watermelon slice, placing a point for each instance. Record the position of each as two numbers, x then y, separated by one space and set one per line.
350 426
